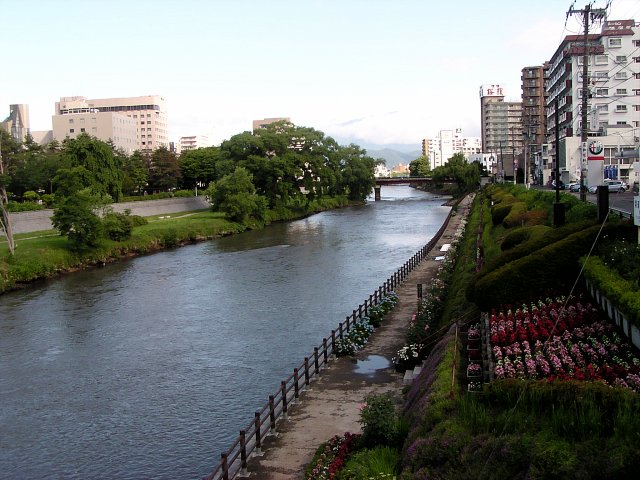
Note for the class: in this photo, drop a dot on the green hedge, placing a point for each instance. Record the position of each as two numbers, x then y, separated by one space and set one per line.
555 266
499 213
524 234
622 293
516 216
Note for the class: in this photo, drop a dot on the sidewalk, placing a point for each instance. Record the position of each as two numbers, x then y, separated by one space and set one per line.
330 406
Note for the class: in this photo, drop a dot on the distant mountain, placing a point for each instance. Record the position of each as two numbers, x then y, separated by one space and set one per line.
394 157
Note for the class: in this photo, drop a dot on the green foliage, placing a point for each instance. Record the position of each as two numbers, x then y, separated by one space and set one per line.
235 196
516 216
379 463
117 226
137 220
164 170
466 176
524 234
581 211
135 174
381 424
624 257
103 171
30 196
511 282
420 167
47 199
200 165
23 206
623 293
75 218
499 212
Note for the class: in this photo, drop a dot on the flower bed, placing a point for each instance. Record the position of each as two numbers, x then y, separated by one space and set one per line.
407 357
331 457
362 329
547 341
474 370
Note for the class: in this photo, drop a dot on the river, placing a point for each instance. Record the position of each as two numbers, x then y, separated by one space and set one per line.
148 368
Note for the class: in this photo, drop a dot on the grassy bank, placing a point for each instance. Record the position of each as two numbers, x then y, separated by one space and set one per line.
41 255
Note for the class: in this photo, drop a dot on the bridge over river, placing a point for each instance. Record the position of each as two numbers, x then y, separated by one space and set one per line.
412 181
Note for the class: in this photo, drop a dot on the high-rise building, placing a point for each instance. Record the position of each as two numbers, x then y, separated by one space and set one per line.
449 142
501 128
613 94
17 123
148 115
534 121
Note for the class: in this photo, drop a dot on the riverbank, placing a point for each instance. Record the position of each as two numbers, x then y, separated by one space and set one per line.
47 256
331 406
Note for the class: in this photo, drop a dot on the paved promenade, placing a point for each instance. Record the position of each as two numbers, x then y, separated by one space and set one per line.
331 406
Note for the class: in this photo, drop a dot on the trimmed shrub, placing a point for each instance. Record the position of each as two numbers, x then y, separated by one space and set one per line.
582 211
499 213
524 234
555 266
516 216
379 463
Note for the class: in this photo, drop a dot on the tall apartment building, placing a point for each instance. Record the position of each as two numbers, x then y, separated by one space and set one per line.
440 149
147 114
501 128
17 123
614 96
534 120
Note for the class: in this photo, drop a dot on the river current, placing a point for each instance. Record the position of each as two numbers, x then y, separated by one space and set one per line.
148 368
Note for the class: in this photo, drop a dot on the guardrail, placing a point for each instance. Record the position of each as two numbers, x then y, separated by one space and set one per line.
621 213
249 442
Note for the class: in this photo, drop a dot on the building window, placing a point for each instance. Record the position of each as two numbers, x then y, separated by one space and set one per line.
615 42
82 130
135 116
94 130
148 115
602 92
601 60
621 91
621 75
602 74
71 120
93 119
621 108
71 130
621 59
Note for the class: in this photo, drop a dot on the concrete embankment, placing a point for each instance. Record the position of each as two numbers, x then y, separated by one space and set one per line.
23 222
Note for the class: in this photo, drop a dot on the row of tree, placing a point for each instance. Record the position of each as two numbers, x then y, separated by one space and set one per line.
277 166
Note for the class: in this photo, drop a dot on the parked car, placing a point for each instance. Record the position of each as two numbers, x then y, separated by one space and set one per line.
574 187
553 184
612 186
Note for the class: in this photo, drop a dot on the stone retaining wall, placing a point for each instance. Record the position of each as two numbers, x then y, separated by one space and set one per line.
23 222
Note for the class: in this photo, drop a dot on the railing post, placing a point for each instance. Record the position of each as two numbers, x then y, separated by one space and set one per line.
272 415
340 329
306 371
296 388
360 311
315 360
326 352
224 466
256 422
243 453
283 392
333 341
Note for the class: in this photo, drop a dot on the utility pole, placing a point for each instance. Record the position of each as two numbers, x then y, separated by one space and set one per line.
594 14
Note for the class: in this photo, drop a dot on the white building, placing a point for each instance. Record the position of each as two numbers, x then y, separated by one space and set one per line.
17 123
147 113
192 142
446 144
614 95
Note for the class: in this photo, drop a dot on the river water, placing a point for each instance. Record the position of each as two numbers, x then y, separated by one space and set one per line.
148 368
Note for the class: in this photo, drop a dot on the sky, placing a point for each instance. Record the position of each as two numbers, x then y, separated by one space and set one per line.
381 72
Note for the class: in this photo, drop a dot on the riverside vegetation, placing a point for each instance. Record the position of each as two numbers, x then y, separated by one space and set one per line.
577 422
278 173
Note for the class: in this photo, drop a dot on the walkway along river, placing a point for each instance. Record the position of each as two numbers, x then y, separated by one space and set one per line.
147 368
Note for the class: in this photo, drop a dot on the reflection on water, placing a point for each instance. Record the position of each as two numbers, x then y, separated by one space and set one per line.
149 368
371 364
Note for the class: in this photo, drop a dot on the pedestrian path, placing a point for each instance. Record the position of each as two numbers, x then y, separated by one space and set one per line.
331 405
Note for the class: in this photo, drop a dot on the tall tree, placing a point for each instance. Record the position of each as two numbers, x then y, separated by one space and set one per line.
164 170
199 166
5 219
98 158
420 167
134 174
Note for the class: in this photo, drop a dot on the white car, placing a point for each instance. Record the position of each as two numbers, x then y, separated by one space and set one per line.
612 185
